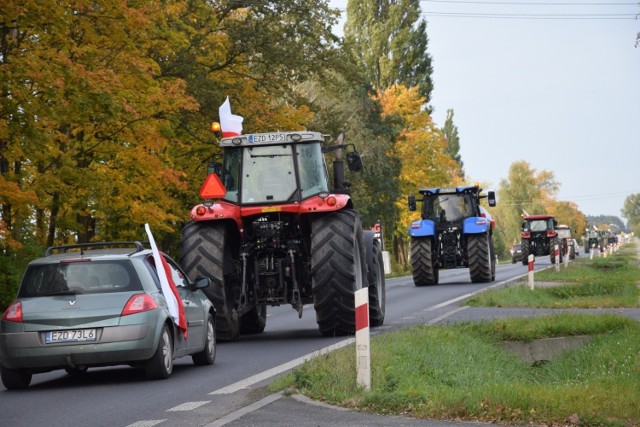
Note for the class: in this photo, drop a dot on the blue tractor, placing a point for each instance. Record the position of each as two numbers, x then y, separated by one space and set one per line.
454 232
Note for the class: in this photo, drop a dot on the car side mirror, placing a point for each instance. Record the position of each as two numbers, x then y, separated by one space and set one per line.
202 282
412 202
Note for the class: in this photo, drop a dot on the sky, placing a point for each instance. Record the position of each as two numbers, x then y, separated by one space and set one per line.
561 94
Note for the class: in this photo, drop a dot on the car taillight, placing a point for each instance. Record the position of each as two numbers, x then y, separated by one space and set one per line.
13 313
138 303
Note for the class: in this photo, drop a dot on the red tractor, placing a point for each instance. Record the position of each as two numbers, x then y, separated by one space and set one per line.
539 237
271 230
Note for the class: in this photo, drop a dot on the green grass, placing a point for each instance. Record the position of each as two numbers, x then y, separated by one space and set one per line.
460 371
598 283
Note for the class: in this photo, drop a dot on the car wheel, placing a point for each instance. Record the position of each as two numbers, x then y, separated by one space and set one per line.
160 365
208 355
15 378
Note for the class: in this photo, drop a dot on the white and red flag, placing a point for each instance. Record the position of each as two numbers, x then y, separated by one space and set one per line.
230 124
168 286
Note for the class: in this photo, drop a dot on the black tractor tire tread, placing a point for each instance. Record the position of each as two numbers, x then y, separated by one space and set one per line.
375 280
202 253
337 249
423 270
479 252
524 245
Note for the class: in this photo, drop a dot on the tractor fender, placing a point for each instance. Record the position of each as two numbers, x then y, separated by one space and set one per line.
476 225
422 228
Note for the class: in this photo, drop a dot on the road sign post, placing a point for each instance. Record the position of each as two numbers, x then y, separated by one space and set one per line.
363 350
531 261
556 253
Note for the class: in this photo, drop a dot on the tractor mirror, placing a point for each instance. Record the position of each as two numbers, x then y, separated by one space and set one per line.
412 202
214 167
491 198
354 162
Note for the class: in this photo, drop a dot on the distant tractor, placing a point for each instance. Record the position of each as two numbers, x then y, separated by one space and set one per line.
539 237
566 241
272 231
454 232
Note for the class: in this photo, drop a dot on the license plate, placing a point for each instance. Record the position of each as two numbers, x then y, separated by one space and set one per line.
72 335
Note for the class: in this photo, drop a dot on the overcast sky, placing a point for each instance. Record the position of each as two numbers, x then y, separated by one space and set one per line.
562 94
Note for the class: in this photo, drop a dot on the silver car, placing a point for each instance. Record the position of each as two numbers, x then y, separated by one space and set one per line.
101 304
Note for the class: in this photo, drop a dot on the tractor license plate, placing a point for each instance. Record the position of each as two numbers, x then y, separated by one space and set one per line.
71 335
267 137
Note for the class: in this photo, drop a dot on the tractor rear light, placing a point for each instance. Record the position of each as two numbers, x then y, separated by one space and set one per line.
481 222
13 313
332 201
201 210
526 235
551 233
139 303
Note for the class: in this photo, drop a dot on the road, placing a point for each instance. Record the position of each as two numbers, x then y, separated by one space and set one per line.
120 396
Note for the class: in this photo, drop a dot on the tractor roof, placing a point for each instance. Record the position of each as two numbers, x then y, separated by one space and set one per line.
272 138
451 190
535 217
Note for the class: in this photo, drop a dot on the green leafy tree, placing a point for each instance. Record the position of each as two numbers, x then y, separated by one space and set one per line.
389 42
631 211
525 190
450 132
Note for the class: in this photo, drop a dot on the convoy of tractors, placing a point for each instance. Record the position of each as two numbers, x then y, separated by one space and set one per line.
274 229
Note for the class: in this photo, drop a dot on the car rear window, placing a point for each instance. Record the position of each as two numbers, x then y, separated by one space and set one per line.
87 277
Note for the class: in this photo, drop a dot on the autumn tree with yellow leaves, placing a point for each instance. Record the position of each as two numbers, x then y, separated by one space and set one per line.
422 150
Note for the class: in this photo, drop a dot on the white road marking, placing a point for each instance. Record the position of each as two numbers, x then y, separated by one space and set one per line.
243 411
146 423
248 382
188 406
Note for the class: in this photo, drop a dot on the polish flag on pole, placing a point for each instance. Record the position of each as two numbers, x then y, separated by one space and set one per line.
168 286
230 124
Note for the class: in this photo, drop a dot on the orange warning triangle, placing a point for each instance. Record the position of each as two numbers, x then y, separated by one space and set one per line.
212 188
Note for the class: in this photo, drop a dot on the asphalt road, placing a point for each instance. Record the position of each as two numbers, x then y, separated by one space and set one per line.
220 394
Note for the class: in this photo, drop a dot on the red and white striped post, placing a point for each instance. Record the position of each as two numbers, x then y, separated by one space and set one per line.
556 252
363 350
531 261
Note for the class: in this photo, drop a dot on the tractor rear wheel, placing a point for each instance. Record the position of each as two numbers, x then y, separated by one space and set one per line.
425 272
480 262
338 269
524 245
375 279
205 250
254 321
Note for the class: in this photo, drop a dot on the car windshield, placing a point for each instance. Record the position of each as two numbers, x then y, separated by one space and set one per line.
564 233
267 174
86 277
449 207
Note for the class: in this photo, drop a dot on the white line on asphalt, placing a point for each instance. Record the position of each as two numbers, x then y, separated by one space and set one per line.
444 316
248 382
243 411
146 423
188 406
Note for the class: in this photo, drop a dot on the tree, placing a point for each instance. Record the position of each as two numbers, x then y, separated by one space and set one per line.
421 148
389 42
525 190
631 211
450 132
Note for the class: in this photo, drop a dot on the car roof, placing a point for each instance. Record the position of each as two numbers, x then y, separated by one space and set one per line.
95 251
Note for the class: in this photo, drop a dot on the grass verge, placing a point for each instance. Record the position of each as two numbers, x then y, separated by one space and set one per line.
461 372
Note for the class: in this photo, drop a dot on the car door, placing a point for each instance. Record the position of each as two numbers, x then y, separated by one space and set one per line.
193 306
